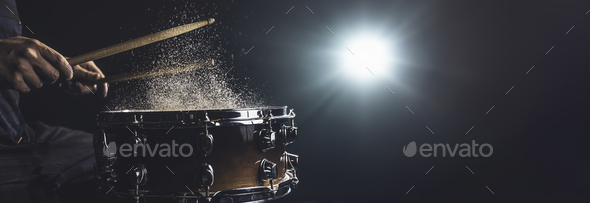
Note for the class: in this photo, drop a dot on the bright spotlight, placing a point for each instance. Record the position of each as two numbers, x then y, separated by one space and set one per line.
367 55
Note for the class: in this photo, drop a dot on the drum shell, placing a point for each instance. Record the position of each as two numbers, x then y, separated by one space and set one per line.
235 156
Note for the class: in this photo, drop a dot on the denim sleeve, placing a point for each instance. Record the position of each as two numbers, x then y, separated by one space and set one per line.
10 25
12 124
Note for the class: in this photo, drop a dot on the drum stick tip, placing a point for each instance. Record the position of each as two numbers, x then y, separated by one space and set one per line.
211 20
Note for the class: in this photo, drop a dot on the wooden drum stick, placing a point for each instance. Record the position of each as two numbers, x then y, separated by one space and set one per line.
137 42
177 68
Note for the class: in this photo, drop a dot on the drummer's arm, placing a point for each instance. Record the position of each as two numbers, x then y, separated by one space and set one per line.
27 64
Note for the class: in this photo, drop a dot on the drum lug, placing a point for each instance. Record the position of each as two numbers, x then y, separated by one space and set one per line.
291 166
205 144
291 161
109 151
137 141
291 131
205 141
290 134
267 136
109 148
104 140
267 170
268 139
138 175
206 176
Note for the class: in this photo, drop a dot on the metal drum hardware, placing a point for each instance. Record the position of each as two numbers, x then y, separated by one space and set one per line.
227 155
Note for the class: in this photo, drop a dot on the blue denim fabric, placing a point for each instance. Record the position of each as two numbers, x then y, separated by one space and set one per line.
46 157
12 123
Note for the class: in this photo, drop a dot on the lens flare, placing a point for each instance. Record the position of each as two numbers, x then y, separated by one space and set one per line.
367 56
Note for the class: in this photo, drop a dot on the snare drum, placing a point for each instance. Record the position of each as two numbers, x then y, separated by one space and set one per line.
229 155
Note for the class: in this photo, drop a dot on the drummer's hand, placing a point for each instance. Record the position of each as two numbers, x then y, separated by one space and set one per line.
27 64
86 72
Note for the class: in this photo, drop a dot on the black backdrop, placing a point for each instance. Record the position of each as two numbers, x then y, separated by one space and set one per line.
459 59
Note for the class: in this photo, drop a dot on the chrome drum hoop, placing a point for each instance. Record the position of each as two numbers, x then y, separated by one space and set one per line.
240 195
189 119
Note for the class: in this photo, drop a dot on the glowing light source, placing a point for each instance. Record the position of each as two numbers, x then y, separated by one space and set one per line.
367 56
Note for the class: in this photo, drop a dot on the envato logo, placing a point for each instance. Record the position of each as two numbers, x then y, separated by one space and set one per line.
162 150
465 150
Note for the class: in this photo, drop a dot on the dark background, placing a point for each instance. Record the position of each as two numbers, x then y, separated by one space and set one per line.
457 59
